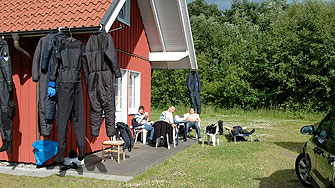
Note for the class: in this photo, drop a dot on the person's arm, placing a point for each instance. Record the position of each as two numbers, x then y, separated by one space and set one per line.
198 118
228 128
139 118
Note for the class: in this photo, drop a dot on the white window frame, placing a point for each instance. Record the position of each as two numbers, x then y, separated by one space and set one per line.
119 86
121 97
136 92
126 10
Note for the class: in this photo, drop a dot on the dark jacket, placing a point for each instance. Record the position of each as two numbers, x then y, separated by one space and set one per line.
126 135
162 128
36 73
101 56
68 61
50 49
193 82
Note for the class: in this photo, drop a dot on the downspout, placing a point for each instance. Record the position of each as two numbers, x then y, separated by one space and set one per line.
16 39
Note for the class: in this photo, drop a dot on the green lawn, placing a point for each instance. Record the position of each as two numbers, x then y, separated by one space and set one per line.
269 163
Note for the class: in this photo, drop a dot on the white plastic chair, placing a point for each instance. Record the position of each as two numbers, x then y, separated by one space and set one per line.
214 136
144 132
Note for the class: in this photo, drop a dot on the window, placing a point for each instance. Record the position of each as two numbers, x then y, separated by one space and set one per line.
124 14
321 132
118 94
133 92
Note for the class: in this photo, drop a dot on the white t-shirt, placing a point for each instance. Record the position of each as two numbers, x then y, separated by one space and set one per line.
167 117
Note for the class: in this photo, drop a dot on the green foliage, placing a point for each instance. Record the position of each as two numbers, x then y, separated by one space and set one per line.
272 55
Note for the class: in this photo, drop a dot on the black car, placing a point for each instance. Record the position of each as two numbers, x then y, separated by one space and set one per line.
315 165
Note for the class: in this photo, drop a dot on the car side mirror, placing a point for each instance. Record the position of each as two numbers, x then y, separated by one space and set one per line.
307 130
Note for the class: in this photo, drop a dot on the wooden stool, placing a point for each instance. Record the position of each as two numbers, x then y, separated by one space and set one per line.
111 150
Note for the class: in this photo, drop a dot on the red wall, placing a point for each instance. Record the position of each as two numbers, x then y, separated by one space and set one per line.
131 39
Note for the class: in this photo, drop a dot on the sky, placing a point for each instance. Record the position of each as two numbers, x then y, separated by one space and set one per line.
225 4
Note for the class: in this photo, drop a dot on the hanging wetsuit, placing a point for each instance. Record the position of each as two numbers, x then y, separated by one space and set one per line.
6 96
44 59
103 68
194 87
70 104
42 81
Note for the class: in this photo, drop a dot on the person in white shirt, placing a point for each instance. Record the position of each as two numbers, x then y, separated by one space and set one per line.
167 116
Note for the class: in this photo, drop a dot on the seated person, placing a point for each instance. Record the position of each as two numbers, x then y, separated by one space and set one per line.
192 121
239 130
142 119
167 116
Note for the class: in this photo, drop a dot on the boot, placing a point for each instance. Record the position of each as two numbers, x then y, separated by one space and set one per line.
9 150
4 146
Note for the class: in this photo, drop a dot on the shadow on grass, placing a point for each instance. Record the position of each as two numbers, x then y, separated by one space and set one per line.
238 138
280 178
293 146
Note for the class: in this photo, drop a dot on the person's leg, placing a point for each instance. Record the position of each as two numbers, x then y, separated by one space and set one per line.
197 129
151 130
186 130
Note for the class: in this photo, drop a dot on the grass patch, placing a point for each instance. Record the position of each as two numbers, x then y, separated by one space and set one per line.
269 163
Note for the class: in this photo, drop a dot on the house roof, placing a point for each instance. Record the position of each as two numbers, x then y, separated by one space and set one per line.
168 29
28 15
166 23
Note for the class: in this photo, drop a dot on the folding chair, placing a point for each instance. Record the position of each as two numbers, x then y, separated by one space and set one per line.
239 135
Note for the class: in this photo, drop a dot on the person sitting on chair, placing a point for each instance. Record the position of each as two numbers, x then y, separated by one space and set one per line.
239 130
167 116
193 120
142 119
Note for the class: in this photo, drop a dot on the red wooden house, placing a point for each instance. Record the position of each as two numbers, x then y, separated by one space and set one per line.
148 34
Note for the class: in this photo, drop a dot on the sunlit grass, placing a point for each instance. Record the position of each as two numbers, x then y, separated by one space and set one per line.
268 163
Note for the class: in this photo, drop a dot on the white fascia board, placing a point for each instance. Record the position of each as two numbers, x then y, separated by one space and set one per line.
167 56
112 18
157 21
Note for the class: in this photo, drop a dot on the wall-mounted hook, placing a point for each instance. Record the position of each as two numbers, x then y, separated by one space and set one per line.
100 27
121 26
59 29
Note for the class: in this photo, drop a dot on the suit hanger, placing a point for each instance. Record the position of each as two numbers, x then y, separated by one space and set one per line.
70 34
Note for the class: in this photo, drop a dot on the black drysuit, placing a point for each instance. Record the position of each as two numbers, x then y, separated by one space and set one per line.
103 68
48 60
42 81
6 94
126 135
194 87
70 104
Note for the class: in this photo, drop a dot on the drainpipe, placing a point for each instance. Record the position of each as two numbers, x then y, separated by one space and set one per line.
16 39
